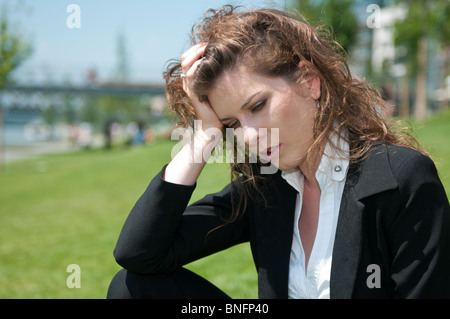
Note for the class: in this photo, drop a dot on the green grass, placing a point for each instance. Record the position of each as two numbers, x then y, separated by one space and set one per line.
434 136
69 208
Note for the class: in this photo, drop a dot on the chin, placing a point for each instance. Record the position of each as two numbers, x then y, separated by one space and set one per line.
287 165
284 166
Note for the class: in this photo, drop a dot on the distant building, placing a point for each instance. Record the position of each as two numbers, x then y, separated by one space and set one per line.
383 48
375 56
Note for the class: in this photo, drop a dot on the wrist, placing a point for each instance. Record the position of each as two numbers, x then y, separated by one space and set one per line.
203 143
187 164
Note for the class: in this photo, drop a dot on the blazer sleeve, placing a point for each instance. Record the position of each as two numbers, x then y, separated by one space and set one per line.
420 233
162 233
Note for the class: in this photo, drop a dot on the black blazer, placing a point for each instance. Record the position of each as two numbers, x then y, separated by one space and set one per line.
394 214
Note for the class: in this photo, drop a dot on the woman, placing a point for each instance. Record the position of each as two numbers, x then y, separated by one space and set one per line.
354 209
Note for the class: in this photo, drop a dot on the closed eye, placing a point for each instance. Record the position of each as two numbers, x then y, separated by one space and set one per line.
258 106
234 124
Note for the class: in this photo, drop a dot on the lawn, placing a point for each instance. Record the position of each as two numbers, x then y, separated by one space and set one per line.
69 208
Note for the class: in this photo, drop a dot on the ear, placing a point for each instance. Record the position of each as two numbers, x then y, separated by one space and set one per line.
313 83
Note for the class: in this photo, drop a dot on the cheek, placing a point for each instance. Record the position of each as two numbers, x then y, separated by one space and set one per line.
295 120
295 117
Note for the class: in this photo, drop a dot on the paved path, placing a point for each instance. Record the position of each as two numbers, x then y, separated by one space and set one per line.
16 153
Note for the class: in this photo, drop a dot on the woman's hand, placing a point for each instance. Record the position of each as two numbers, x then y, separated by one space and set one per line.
190 61
189 162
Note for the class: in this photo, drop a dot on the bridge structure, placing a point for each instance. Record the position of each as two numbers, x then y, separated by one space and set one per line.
37 97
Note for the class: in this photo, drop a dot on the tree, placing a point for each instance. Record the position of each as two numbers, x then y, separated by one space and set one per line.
13 51
425 21
336 16
122 68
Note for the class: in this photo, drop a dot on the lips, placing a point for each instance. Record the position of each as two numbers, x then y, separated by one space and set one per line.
270 153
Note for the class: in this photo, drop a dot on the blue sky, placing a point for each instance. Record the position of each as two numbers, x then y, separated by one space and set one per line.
155 31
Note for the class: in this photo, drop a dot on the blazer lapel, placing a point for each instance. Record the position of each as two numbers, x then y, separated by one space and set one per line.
366 178
275 231
348 241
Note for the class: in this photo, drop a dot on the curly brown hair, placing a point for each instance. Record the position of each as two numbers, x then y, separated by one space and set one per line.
273 43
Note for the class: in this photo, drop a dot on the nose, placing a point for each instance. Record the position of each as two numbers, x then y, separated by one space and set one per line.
250 135
259 139
254 131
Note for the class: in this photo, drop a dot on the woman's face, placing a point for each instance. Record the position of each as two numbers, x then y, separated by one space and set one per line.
247 100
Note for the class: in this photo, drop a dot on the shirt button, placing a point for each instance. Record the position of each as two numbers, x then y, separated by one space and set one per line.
337 168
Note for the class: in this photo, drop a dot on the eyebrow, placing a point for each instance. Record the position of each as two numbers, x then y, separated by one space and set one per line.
244 105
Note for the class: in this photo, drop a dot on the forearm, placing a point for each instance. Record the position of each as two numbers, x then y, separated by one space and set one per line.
162 233
150 227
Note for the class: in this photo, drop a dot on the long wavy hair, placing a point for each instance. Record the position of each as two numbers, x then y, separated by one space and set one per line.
273 43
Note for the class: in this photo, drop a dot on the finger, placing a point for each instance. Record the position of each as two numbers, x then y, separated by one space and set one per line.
189 61
192 50
192 57
190 73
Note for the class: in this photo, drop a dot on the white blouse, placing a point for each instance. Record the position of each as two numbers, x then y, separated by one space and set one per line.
331 175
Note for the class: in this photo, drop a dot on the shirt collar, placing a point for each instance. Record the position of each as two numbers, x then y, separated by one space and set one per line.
333 165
